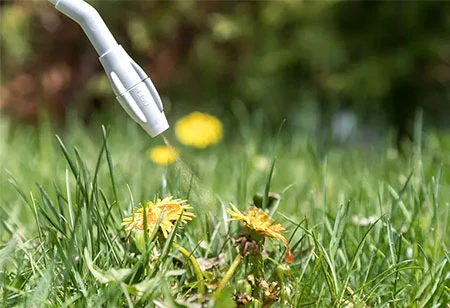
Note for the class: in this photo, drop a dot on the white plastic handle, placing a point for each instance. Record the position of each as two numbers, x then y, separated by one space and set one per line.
133 88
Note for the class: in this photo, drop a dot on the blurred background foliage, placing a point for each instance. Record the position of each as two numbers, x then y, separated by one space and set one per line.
329 67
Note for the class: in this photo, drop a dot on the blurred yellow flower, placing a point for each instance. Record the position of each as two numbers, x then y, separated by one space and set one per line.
172 208
258 221
163 155
198 130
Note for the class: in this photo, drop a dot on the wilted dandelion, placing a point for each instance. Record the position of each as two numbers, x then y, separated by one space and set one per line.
257 226
198 130
258 222
172 208
163 155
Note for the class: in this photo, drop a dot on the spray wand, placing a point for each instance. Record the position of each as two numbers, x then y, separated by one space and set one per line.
133 88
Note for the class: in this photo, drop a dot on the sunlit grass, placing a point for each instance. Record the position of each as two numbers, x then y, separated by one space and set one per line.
367 227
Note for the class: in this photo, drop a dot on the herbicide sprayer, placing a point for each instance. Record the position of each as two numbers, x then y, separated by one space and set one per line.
133 88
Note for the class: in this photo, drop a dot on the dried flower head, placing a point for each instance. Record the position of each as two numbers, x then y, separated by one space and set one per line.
170 209
259 222
271 291
163 155
242 299
198 130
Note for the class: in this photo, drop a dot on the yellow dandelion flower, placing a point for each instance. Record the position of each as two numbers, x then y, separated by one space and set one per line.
163 155
258 221
172 208
198 130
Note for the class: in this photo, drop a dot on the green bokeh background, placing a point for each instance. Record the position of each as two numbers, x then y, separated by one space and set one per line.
301 60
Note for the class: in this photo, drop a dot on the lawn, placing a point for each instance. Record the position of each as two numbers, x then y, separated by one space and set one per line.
367 226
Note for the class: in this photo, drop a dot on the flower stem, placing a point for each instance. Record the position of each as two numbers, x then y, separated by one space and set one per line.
198 272
229 273
257 269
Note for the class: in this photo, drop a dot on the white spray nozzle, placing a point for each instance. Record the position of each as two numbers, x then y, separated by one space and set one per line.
133 88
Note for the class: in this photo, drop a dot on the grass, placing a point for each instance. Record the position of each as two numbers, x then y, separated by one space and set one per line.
368 227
